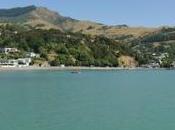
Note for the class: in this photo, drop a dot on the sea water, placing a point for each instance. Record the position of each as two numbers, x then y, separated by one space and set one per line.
90 100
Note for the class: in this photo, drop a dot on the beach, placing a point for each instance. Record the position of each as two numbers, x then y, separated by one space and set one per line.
69 68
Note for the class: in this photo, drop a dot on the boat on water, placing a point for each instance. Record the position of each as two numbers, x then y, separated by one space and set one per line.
75 72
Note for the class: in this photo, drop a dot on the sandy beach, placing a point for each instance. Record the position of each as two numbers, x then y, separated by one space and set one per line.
69 68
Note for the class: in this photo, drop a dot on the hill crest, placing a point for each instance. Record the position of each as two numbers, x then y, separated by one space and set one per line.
44 18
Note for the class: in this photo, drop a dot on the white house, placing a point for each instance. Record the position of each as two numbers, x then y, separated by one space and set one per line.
22 62
8 50
8 63
62 65
32 55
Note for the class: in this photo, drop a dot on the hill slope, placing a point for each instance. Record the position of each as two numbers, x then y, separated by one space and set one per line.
41 17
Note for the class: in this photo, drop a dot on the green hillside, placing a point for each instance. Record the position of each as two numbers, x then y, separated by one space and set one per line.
63 40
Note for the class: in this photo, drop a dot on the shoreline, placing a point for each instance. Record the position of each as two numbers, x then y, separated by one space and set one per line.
72 68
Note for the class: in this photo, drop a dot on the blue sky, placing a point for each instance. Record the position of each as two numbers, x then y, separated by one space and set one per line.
112 12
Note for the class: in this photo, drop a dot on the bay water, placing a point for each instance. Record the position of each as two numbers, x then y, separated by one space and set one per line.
91 100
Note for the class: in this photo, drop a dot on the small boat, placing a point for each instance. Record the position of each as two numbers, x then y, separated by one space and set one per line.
75 72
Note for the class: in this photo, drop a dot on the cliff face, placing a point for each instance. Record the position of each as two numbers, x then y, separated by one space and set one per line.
127 61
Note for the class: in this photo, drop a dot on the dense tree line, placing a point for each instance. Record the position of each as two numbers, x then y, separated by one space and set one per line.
165 34
64 48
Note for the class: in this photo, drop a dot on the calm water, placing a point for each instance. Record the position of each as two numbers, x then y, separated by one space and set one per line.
92 100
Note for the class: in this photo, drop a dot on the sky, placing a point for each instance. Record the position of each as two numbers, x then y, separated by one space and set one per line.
147 13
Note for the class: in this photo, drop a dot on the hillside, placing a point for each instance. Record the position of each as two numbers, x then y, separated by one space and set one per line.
56 47
44 18
63 40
